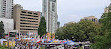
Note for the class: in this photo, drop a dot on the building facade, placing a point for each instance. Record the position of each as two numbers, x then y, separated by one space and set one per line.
6 8
91 18
49 11
26 21
107 9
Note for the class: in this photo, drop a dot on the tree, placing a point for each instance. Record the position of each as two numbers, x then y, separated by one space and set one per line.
59 33
104 41
81 31
1 30
42 26
106 22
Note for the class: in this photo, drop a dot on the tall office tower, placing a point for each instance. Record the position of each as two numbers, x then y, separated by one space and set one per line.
49 11
6 7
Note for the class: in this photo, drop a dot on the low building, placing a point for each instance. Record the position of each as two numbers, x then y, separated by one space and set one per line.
25 21
91 18
107 9
8 24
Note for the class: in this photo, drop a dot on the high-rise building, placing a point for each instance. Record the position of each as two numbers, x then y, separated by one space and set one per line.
49 11
25 21
6 8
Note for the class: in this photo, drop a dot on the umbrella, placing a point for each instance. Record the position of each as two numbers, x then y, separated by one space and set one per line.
55 41
50 41
63 42
38 41
70 43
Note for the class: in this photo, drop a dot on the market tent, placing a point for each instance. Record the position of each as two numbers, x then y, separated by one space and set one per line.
55 41
50 41
27 38
70 43
1 41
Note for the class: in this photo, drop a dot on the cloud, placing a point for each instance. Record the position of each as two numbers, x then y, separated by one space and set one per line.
70 18
70 10
74 10
34 5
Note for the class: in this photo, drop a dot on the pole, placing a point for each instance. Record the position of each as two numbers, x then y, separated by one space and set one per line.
8 37
19 35
29 34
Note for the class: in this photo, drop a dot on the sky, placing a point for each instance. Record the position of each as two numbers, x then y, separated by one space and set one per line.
70 10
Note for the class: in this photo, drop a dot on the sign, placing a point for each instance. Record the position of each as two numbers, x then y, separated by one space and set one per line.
12 34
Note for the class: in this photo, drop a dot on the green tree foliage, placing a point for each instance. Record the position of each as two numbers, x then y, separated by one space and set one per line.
59 33
106 22
42 26
104 41
1 30
82 31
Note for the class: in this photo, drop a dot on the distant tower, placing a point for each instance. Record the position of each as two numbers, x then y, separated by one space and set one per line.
49 11
6 7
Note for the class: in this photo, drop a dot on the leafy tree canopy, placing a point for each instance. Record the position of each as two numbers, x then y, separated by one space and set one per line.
1 30
81 31
104 41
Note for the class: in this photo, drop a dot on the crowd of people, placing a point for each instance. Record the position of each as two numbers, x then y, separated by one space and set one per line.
26 45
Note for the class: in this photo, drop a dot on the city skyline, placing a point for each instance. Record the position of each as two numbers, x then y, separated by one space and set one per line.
74 11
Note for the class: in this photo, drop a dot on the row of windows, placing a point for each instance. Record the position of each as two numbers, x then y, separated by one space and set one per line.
92 19
29 26
53 0
28 15
28 18
29 12
27 29
53 7
29 23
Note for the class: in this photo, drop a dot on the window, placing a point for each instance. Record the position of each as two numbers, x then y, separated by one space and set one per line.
23 12
35 16
54 0
28 23
22 17
29 12
94 20
27 29
53 7
3 9
29 26
36 13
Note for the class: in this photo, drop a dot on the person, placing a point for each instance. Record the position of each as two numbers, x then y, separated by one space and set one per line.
80 46
15 47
